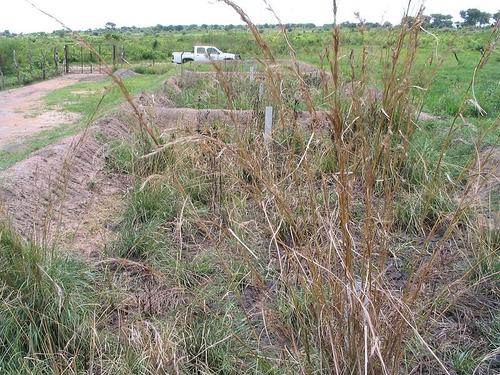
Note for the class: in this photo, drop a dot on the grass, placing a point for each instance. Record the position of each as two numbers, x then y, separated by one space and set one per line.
74 98
465 362
354 247
45 308
303 302
149 210
445 94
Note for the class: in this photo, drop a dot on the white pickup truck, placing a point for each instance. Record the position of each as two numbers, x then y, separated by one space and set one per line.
203 53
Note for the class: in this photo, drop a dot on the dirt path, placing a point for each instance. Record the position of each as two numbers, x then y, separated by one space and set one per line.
23 113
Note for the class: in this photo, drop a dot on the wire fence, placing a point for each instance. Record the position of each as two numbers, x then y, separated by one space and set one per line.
31 65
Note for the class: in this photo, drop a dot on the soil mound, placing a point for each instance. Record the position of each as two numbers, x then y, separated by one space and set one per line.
55 185
124 73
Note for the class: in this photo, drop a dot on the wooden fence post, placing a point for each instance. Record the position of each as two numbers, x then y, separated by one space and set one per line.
56 60
122 55
30 59
91 61
43 64
114 56
2 79
16 65
81 57
100 59
66 62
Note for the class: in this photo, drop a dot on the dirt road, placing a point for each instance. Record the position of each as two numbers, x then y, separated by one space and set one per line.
23 113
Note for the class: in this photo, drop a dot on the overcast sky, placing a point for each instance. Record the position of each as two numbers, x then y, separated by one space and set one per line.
18 16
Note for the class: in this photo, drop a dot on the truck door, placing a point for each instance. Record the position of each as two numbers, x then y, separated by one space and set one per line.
201 54
213 53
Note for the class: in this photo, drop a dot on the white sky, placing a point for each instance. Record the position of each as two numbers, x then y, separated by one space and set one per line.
18 16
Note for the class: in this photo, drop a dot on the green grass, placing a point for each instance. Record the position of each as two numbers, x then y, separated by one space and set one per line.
465 362
452 78
45 306
150 210
70 99
121 157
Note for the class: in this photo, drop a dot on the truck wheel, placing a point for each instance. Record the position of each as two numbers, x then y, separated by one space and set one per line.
186 60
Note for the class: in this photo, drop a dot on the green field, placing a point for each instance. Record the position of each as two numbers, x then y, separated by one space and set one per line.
443 96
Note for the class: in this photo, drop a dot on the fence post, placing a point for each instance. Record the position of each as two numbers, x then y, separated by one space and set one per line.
100 57
91 61
30 59
2 78
16 65
268 124
114 56
43 63
66 62
56 60
81 57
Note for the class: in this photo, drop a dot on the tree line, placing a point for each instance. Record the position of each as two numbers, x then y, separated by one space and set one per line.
471 17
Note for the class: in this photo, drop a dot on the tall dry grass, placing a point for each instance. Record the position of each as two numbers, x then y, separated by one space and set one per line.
286 256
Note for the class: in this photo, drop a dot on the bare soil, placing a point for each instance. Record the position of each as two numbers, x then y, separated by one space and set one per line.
60 193
23 113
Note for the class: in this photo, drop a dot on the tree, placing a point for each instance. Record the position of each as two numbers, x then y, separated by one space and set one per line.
110 25
474 17
441 20
484 18
496 16
410 21
158 28
60 33
349 25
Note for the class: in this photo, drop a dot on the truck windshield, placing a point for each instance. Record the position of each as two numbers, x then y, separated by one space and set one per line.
213 51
